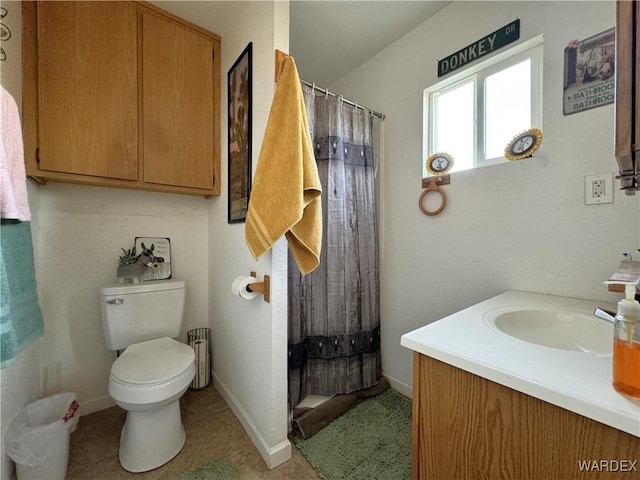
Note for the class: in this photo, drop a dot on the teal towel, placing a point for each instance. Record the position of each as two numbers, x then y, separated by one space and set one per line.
21 321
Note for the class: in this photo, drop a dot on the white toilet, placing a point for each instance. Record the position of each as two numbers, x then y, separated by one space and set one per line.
152 373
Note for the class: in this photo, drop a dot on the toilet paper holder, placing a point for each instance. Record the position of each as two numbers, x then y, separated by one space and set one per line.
263 287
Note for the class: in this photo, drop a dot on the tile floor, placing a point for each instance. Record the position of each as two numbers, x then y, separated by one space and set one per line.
212 431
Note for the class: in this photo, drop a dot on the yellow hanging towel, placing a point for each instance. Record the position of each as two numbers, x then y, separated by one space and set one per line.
285 197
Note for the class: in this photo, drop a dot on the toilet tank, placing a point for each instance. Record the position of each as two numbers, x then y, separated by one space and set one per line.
135 312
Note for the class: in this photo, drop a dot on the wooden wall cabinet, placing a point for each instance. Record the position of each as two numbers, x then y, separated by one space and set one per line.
468 427
120 94
627 106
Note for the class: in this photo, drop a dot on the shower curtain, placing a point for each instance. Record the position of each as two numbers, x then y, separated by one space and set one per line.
334 314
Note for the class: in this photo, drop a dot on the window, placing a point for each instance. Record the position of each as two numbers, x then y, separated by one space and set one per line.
474 114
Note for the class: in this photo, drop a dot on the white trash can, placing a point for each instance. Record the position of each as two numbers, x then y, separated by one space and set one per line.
37 439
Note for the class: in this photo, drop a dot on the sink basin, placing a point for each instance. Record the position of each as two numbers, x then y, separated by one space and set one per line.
565 330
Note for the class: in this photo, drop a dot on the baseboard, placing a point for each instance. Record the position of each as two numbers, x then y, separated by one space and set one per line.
400 387
279 454
95 405
272 456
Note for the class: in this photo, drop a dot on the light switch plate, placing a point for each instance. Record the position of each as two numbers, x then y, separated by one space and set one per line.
598 189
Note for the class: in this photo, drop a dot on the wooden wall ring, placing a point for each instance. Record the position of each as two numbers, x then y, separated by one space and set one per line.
432 186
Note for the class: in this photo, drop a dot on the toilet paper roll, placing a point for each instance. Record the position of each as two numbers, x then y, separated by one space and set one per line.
239 287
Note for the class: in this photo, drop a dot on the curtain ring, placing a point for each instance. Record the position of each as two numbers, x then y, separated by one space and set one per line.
313 87
326 93
341 99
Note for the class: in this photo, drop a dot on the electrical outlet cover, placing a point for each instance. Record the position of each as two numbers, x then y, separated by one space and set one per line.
598 189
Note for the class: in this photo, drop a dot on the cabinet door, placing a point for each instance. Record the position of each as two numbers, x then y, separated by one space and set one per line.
637 89
87 83
627 107
177 94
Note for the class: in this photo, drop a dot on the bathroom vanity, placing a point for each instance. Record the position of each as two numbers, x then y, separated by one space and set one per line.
493 399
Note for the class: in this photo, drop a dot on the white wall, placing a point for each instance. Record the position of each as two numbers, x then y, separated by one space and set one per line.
20 382
521 225
78 233
249 338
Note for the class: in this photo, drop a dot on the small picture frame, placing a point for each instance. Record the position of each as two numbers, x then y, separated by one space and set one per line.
155 253
239 140
524 144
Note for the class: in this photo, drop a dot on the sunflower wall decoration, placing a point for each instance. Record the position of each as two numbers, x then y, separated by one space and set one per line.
524 144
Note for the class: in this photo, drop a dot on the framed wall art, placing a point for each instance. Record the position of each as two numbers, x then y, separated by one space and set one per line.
239 142
589 72
155 254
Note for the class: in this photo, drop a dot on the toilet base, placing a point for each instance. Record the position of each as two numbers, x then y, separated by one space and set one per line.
150 439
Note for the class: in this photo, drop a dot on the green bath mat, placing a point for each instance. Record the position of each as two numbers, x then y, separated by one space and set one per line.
371 441
217 469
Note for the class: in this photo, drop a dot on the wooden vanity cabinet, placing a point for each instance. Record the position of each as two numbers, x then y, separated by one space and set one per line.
627 105
468 427
120 94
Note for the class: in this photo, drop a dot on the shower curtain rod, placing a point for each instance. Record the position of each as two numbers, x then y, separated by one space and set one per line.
280 56
327 92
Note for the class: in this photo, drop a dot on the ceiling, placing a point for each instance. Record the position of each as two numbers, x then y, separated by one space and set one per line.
330 38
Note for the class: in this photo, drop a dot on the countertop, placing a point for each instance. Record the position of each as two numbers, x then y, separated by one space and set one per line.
576 381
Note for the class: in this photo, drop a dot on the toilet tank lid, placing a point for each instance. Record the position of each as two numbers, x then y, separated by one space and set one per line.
142 287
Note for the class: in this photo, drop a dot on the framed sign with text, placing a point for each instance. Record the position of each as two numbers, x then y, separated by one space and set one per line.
589 72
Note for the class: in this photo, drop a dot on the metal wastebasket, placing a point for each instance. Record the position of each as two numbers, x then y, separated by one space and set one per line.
200 340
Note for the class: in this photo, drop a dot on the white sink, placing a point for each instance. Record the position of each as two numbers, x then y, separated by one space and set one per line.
541 353
567 330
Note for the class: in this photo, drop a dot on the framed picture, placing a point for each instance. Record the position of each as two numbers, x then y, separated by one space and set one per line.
240 90
589 72
155 253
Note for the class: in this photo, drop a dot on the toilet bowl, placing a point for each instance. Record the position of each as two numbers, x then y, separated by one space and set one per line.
147 381
149 377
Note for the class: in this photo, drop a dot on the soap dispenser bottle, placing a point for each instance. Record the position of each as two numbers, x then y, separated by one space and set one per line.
626 344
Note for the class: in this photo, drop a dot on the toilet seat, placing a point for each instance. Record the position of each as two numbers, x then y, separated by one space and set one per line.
152 362
151 371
